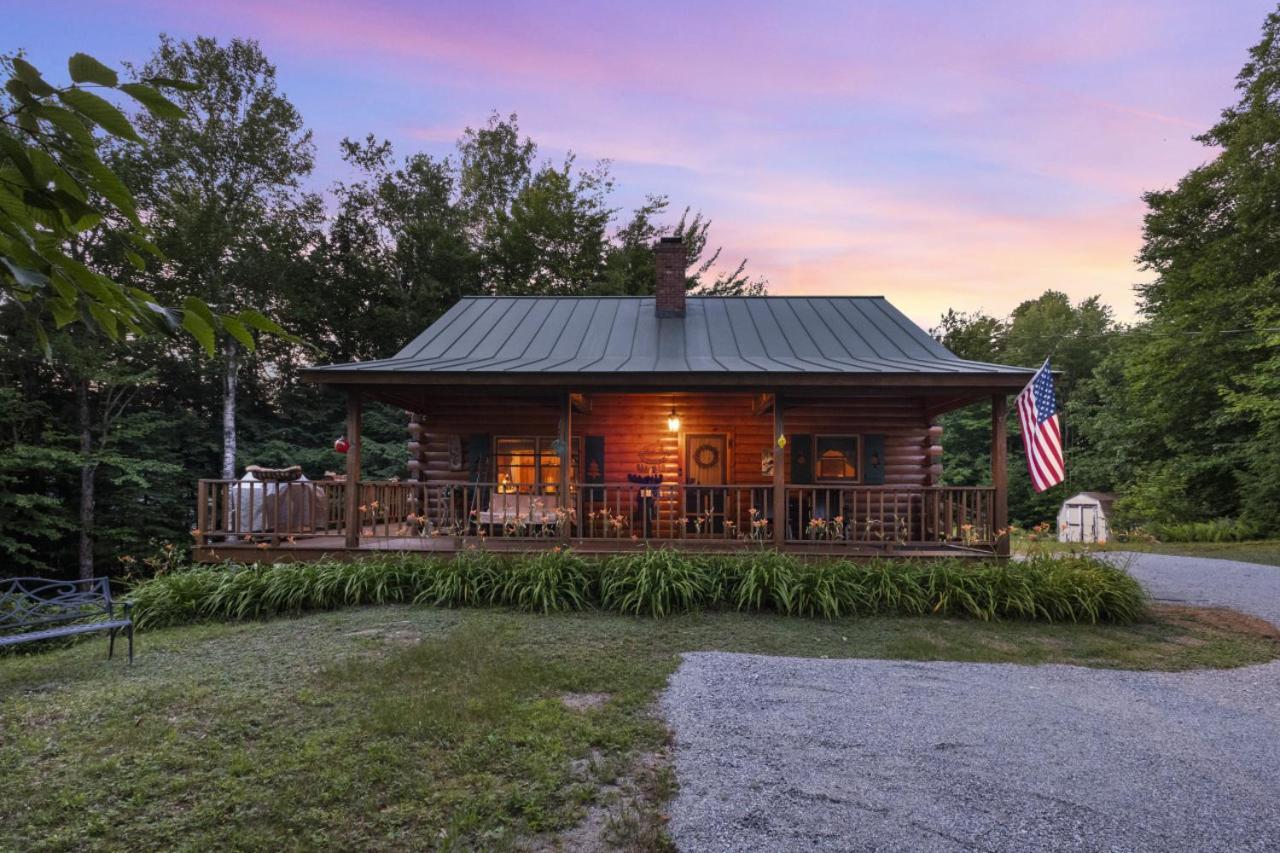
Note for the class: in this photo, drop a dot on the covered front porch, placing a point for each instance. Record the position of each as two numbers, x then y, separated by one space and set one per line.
851 472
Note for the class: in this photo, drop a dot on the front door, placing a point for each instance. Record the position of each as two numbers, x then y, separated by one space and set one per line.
707 470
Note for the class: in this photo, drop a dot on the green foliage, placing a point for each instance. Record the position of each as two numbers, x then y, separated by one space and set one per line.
1077 338
35 460
1184 417
830 590
654 583
549 582
766 582
56 191
471 579
1218 530
218 181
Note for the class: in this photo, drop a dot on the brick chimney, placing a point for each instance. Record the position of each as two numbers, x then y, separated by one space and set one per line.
669 257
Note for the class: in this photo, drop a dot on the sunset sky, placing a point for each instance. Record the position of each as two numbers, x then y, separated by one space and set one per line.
944 154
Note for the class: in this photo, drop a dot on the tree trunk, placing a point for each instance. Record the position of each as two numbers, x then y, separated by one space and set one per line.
88 470
229 377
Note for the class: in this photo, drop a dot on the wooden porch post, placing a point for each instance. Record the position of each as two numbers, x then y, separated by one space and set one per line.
354 412
566 459
1000 471
779 476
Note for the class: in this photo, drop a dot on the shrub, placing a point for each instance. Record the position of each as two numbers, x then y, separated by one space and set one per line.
829 590
655 583
1218 530
548 582
893 587
767 580
175 598
470 579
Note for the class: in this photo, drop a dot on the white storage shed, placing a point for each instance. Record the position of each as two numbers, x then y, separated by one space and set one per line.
1086 517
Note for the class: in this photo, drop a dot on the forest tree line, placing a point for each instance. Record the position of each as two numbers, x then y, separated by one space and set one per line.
1179 413
101 440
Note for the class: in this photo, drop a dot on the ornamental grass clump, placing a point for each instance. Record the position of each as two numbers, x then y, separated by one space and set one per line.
1080 589
471 579
549 582
766 582
891 587
830 590
175 598
655 583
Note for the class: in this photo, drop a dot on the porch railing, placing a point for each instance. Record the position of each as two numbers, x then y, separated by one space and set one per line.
963 515
269 514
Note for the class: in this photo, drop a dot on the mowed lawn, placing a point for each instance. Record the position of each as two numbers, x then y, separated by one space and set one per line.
1260 551
1265 551
407 728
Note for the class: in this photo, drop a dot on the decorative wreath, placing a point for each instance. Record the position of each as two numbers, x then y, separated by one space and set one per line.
706 456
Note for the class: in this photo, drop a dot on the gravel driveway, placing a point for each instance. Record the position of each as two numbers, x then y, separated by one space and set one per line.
799 754
1247 587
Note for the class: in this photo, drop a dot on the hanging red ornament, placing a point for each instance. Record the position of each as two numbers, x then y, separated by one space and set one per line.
341 445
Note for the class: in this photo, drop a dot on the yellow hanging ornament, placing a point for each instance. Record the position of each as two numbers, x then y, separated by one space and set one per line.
782 441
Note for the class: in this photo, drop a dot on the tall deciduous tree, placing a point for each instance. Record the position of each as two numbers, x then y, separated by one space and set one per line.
1075 337
1185 412
216 181
55 186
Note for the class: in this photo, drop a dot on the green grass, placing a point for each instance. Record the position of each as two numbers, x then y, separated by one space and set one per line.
1259 551
401 727
1264 551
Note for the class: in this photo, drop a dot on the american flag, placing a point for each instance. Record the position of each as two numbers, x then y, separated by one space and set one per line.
1041 430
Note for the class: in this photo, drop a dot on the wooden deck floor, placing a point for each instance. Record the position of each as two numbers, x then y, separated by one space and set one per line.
335 547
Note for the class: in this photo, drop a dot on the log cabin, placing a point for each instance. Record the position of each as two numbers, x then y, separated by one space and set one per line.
805 424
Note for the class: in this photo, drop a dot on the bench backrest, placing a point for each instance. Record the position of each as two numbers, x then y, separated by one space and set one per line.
37 601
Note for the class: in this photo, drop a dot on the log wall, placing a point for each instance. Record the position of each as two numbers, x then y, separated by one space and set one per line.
635 426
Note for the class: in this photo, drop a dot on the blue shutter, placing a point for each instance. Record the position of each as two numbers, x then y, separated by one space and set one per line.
801 459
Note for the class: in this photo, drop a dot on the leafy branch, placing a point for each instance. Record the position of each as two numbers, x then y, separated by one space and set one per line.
54 186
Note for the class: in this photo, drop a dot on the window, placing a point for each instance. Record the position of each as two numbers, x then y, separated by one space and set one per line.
835 457
524 463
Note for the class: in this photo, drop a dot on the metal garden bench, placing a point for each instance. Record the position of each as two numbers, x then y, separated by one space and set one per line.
40 609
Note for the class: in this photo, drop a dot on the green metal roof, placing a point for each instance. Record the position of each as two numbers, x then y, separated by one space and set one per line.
593 336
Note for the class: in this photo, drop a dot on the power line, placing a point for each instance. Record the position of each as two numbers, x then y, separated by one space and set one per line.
1137 330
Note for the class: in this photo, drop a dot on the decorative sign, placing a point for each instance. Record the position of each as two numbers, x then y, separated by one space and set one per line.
653 454
455 453
766 462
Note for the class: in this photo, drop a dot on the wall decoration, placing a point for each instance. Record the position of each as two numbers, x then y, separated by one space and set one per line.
706 456
766 463
653 454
